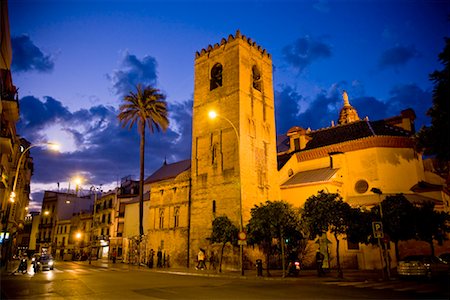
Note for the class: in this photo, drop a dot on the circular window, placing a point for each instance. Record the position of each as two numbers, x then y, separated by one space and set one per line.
361 186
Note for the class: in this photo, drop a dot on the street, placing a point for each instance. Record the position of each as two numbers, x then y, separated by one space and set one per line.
79 280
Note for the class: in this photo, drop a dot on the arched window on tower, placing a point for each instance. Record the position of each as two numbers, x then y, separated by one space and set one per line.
176 217
216 77
256 76
161 218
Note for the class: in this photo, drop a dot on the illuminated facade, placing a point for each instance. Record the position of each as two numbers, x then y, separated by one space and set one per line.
237 161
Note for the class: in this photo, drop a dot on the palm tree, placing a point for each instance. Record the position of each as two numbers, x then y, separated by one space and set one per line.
145 107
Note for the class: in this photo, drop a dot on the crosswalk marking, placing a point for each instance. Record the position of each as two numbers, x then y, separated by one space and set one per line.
399 286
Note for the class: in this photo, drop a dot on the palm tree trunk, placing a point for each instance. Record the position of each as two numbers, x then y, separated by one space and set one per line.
141 179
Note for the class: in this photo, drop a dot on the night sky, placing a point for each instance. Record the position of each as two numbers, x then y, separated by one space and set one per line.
74 60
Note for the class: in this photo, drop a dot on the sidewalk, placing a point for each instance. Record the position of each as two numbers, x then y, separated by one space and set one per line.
349 275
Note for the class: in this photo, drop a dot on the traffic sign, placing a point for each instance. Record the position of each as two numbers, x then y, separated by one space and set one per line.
242 236
377 230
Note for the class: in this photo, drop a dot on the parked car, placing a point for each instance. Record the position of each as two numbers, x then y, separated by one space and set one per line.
445 257
47 262
422 266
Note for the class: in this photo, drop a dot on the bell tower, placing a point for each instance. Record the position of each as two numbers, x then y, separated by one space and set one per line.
234 155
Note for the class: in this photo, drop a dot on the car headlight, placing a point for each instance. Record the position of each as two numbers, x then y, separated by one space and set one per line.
50 262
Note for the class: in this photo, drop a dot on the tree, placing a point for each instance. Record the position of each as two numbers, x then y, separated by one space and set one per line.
398 219
146 106
271 221
359 228
431 224
223 231
434 139
327 212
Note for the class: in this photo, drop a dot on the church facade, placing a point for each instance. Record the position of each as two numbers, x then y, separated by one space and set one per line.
237 160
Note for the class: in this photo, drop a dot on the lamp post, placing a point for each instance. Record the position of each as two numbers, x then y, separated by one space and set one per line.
242 236
94 221
12 196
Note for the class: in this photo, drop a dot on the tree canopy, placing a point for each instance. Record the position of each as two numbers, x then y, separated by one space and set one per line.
434 139
223 231
274 221
327 212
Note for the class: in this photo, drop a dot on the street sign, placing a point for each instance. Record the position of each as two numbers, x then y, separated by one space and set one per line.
241 242
242 236
377 230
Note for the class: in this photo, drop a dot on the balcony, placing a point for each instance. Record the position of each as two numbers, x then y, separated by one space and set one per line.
10 108
43 226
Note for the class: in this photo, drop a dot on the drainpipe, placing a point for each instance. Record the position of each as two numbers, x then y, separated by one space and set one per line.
189 224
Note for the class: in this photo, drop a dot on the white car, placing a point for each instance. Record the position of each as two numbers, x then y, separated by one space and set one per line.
47 262
422 265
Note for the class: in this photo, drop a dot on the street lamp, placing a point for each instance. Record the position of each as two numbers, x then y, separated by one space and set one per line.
51 146
13 195
212 115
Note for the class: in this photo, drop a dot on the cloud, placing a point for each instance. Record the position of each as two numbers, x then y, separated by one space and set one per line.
326 105
287 102
322 6
404 96
305 51
397 56
133 71
28 57
104 152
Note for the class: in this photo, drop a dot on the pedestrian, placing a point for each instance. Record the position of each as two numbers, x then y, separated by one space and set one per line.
201 260
114 256
319 263
150 259
159 258
212 261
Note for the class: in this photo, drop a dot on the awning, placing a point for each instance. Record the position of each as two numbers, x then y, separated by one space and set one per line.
311 176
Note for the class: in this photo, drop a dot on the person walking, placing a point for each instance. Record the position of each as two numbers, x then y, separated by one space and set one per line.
201 260
159 258
150 260
319 263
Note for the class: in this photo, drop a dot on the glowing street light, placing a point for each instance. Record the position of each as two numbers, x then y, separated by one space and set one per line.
212 115
51 146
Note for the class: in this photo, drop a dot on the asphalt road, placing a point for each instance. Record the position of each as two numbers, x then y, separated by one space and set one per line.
75 280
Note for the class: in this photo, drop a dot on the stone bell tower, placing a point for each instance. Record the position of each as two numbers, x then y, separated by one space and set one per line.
234 156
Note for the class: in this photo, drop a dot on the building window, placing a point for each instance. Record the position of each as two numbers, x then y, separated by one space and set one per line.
64 241
256 76
297 144
176 217
214 206
352 246
361 186
216 77
161 218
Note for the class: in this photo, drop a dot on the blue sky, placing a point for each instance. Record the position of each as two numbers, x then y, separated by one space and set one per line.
74 60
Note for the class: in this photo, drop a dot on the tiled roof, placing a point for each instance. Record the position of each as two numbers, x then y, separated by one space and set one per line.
339 134
317 175
168 171
353 131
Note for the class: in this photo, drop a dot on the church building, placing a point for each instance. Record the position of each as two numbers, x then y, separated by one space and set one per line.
237 161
